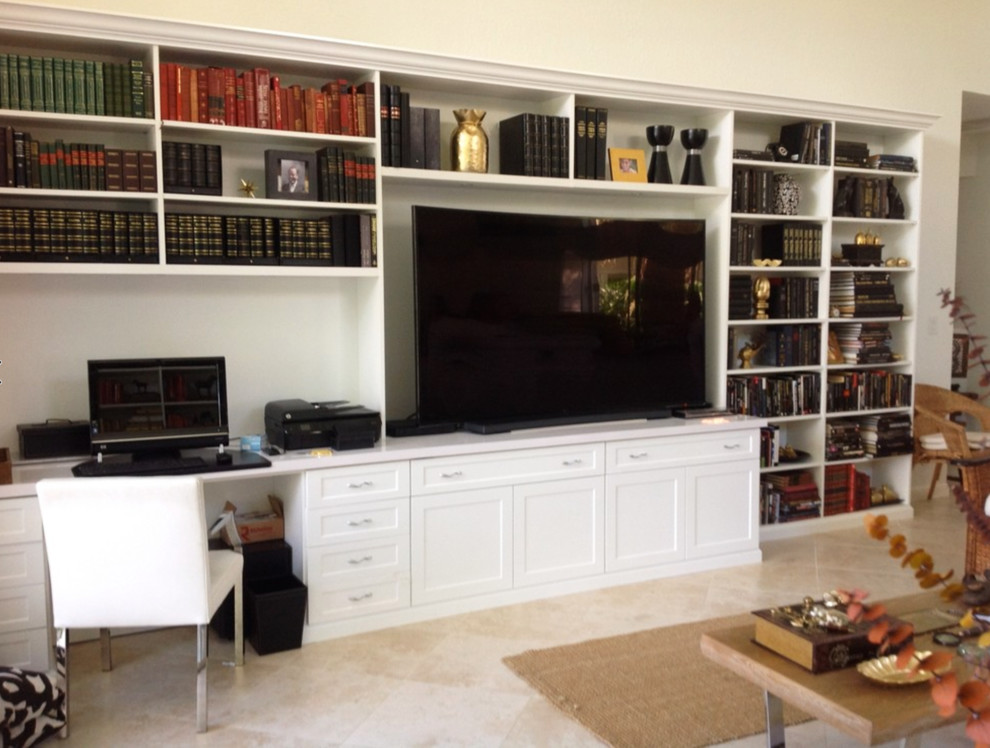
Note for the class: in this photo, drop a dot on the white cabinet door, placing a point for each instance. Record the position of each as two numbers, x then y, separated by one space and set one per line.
644 519
558 530
461 544
722 509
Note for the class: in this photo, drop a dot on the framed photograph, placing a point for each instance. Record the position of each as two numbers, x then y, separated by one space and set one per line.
628 164
960 356
290 175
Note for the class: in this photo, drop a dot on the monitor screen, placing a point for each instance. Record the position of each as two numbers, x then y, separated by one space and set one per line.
154 405
527 319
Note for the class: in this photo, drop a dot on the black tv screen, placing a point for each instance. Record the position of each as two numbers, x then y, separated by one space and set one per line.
527 320
150 406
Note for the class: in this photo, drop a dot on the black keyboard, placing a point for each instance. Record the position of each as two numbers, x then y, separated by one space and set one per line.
116 466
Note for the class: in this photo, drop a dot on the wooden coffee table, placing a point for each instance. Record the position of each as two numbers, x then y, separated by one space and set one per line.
866 711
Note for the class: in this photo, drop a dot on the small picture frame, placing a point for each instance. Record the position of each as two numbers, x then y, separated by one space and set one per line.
290 175
960 356
628 164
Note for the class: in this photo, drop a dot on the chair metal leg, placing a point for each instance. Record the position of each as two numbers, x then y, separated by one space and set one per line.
61 653
106 657
201 659
239 622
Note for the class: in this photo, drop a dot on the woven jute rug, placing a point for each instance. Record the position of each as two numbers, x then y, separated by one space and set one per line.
649 688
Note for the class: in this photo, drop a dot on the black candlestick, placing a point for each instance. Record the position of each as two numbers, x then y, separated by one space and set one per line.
693 139
659 137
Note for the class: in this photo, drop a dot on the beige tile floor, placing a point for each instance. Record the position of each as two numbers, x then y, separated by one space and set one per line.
442 683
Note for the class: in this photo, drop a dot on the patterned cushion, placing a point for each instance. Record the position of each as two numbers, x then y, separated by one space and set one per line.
33 707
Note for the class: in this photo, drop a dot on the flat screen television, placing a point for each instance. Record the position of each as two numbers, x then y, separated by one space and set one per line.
149 407
526 320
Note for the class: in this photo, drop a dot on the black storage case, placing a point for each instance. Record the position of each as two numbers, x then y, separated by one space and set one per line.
275 608
265 560
53 439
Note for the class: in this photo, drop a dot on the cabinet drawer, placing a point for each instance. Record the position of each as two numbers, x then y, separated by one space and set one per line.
338 485
363 598
642 454
20 521
357 521
22 563
22 608
28 649
506 468
343 563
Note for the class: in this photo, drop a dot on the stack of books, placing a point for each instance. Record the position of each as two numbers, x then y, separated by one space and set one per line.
892 162
865 342
885 435
851 153
874 296
842 440
789 496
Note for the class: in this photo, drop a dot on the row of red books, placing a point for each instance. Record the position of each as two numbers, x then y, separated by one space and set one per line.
257 98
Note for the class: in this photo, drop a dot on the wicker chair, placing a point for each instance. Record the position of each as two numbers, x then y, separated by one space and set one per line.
948 426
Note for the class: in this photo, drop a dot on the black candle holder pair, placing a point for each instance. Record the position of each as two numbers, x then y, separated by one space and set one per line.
693 139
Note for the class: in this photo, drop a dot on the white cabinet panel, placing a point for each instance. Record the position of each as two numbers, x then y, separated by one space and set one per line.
558 531
723 511
461 544
644 518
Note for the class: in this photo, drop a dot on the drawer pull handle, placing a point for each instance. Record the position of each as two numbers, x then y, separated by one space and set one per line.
362 484
573 463
455 474
359 598
736 445
638 455
360 522
363 560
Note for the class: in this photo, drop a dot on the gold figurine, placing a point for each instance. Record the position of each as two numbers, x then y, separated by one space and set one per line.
761 293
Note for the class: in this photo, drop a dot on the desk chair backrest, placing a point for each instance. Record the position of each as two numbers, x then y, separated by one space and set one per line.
126 551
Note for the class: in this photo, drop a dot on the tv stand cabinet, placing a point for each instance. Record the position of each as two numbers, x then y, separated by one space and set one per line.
424 527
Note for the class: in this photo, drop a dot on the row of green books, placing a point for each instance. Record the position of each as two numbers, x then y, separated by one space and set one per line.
67 86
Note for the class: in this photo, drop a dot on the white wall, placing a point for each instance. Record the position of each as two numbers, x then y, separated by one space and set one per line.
898 54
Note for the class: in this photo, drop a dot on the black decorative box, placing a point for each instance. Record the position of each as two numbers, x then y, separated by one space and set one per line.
862 254
53 439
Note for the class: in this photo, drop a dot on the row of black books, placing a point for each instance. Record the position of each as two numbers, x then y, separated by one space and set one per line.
192 168
535 145
58 165
864 342
410 135
843 440
892 162
776 395
867 197
793 243
789 496
345 176
68 86
864 295
793 298
340 240
63 235
866 390
752 190
740 298
846 489
590 142
807 142
887 434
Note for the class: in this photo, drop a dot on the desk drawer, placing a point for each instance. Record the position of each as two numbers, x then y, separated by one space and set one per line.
644 454
20 521
341 564
22 563
506 468
28 649
22 608
359 483
362 598
371 519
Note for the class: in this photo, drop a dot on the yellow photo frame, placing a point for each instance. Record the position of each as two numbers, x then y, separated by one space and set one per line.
628 164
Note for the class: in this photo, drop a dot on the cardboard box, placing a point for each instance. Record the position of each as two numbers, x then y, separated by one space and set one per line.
814 650
251 527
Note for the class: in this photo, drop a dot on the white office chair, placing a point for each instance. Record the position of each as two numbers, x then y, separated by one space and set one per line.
133 552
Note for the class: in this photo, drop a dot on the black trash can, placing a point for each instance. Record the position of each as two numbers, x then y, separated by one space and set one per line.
269 558
274 610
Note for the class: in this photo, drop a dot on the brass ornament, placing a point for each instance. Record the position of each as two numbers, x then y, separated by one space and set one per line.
469 142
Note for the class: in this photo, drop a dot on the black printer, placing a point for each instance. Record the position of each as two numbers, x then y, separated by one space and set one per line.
297 424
